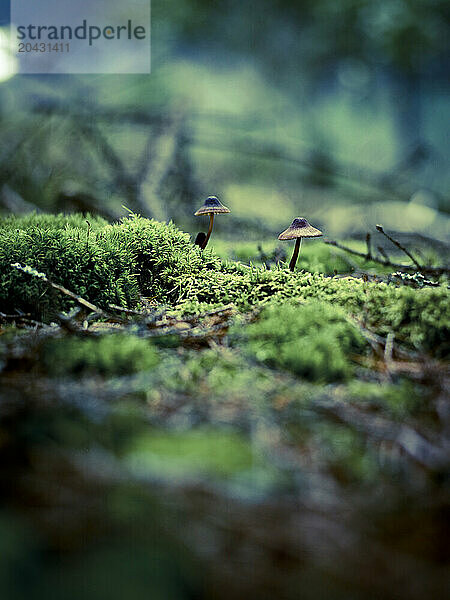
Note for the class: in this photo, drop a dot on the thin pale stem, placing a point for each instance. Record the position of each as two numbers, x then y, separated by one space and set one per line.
298 245
208 235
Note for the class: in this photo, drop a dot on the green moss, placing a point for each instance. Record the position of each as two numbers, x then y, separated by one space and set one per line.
202 451
104 263
315 257
48 221
314 340
118 263
420 318
161 255
96 271
345 452
220 374
109 355
398 401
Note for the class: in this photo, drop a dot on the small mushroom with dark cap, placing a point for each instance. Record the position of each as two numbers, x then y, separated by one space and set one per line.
298 229
199 240
212 206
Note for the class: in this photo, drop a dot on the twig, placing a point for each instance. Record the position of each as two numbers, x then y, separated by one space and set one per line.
128 311
164 154
412 443
14 317
229 308
147 155
22 319
369 247
379 343
399 246
383 253
416 280
97 114
43 277
388 352
388 263
122 177
345 171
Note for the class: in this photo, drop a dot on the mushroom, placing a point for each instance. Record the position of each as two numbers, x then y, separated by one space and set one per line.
212 206
298 229
200 239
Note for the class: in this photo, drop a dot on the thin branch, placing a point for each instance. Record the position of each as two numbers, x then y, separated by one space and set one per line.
164 153
417 447
380 343
344 173
399 246
369 246
147 156
383 253
96 113
128 311
43 277
14 317
388 352
122 177
347 171
23 319
388 263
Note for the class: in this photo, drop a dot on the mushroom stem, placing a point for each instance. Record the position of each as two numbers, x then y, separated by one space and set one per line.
298 245
208 235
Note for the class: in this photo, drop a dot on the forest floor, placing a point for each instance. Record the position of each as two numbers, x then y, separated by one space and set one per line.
177 423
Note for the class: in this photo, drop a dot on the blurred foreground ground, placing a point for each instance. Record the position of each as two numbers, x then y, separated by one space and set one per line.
216 452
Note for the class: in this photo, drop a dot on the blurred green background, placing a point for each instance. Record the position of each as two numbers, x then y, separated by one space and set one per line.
336 111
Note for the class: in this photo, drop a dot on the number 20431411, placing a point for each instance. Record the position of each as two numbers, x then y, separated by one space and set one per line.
44 47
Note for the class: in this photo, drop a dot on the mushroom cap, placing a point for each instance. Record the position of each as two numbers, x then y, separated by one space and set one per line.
299 228
211 205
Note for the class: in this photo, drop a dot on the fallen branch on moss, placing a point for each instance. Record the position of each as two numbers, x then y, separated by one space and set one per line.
21 320
14 317
193 330
43 277
437 271
399 246
128 311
